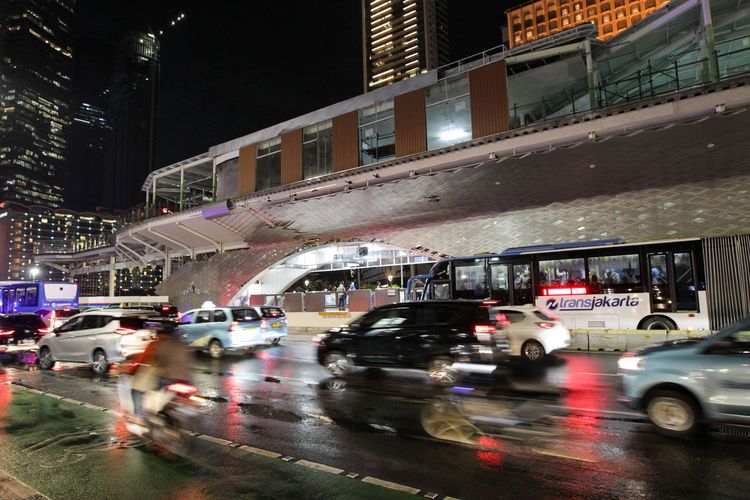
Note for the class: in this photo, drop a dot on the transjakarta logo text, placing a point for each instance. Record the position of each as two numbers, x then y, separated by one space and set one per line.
587 304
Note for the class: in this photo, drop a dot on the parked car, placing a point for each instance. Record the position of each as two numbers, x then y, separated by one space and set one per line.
56 317
443 337
684 384
533 332
19 331
238 328
99 338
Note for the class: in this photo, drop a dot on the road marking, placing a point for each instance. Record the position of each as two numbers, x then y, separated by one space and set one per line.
390 485
320 467
352 475
259 451
215 440
16 487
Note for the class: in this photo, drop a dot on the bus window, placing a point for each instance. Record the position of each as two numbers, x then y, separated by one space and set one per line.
499 286
561 273
614 273
469 279
31 296
20 297
522 293
438 290
684 282
440 271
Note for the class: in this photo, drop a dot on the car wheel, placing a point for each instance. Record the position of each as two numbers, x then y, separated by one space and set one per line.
100 363
532 350
45 359
215 349
674 413
441 371
337 363
658 323
276 341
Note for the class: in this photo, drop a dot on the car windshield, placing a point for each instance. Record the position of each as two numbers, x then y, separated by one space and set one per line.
133 323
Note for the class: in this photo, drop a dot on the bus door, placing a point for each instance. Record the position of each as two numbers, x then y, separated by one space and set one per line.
510 284
671 280
5 304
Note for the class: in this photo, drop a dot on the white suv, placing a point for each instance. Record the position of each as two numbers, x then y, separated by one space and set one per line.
99 338
533 331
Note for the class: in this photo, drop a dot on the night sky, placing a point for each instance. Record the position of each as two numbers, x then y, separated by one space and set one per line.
233 67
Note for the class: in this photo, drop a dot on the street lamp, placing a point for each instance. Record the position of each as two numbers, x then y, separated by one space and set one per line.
390 280
34 271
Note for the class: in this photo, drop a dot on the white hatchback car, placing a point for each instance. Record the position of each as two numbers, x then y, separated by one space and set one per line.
98 337
533 331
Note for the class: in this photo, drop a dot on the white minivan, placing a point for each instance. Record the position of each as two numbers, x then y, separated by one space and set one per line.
99 338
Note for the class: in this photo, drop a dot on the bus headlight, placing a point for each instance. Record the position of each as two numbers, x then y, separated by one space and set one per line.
630 362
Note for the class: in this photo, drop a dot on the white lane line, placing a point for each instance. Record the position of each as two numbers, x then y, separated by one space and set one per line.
390 485
320 467
259 451
215 440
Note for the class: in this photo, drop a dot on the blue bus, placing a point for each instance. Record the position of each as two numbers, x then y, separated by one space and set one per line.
49 299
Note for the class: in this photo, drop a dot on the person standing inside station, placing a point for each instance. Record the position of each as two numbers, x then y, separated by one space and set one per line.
341 296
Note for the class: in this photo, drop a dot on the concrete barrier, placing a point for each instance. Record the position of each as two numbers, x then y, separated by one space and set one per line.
579 340
639 338
687 334
608 340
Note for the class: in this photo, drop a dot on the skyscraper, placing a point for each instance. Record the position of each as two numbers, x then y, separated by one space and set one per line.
132 106
36 66
90 131
402 38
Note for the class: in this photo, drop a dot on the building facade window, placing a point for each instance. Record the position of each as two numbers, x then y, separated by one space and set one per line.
317 150
377 133
268 165
448 111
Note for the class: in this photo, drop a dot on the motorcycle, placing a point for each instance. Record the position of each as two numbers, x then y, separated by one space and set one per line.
165 416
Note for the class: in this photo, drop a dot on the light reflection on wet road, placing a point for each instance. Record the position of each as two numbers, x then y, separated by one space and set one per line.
558 431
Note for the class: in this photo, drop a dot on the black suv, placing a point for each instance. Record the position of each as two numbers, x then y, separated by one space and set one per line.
20 329
443 337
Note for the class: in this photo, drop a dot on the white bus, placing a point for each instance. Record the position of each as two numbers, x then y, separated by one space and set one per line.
607 284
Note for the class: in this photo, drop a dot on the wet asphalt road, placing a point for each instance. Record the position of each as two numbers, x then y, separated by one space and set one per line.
553 431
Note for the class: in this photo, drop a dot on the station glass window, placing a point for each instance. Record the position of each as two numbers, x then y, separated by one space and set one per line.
268 165
377 133
317 150
469 279
448 111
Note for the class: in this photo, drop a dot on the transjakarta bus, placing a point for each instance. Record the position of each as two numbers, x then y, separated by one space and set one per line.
40 297
604 284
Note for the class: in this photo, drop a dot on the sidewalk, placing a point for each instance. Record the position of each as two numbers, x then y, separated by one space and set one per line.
60 449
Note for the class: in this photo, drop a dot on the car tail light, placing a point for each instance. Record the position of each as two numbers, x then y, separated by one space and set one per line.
124 331
484 332
234 327
43 331
182 389
544 324
6 333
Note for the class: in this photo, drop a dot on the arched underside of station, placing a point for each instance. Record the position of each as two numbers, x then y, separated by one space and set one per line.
677 180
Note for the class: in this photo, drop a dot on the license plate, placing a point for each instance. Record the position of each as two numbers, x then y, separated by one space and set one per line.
27 341
275 325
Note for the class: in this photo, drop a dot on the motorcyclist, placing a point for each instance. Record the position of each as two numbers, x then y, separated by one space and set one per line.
164 362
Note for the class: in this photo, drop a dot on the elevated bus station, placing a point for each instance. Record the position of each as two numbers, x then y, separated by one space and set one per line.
640 138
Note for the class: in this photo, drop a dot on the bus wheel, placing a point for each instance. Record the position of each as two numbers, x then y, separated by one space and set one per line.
658 323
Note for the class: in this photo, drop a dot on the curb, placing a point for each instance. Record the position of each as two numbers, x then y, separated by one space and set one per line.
13 489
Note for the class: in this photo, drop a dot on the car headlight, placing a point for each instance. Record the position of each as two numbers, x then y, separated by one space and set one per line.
319 338
630 362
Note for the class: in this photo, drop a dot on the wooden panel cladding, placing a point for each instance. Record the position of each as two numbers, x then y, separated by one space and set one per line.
291 156
345 141
246 170
489 99
411 123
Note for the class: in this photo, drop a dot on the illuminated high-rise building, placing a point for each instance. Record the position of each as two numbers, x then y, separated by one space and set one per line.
36 66
538 19
402 38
